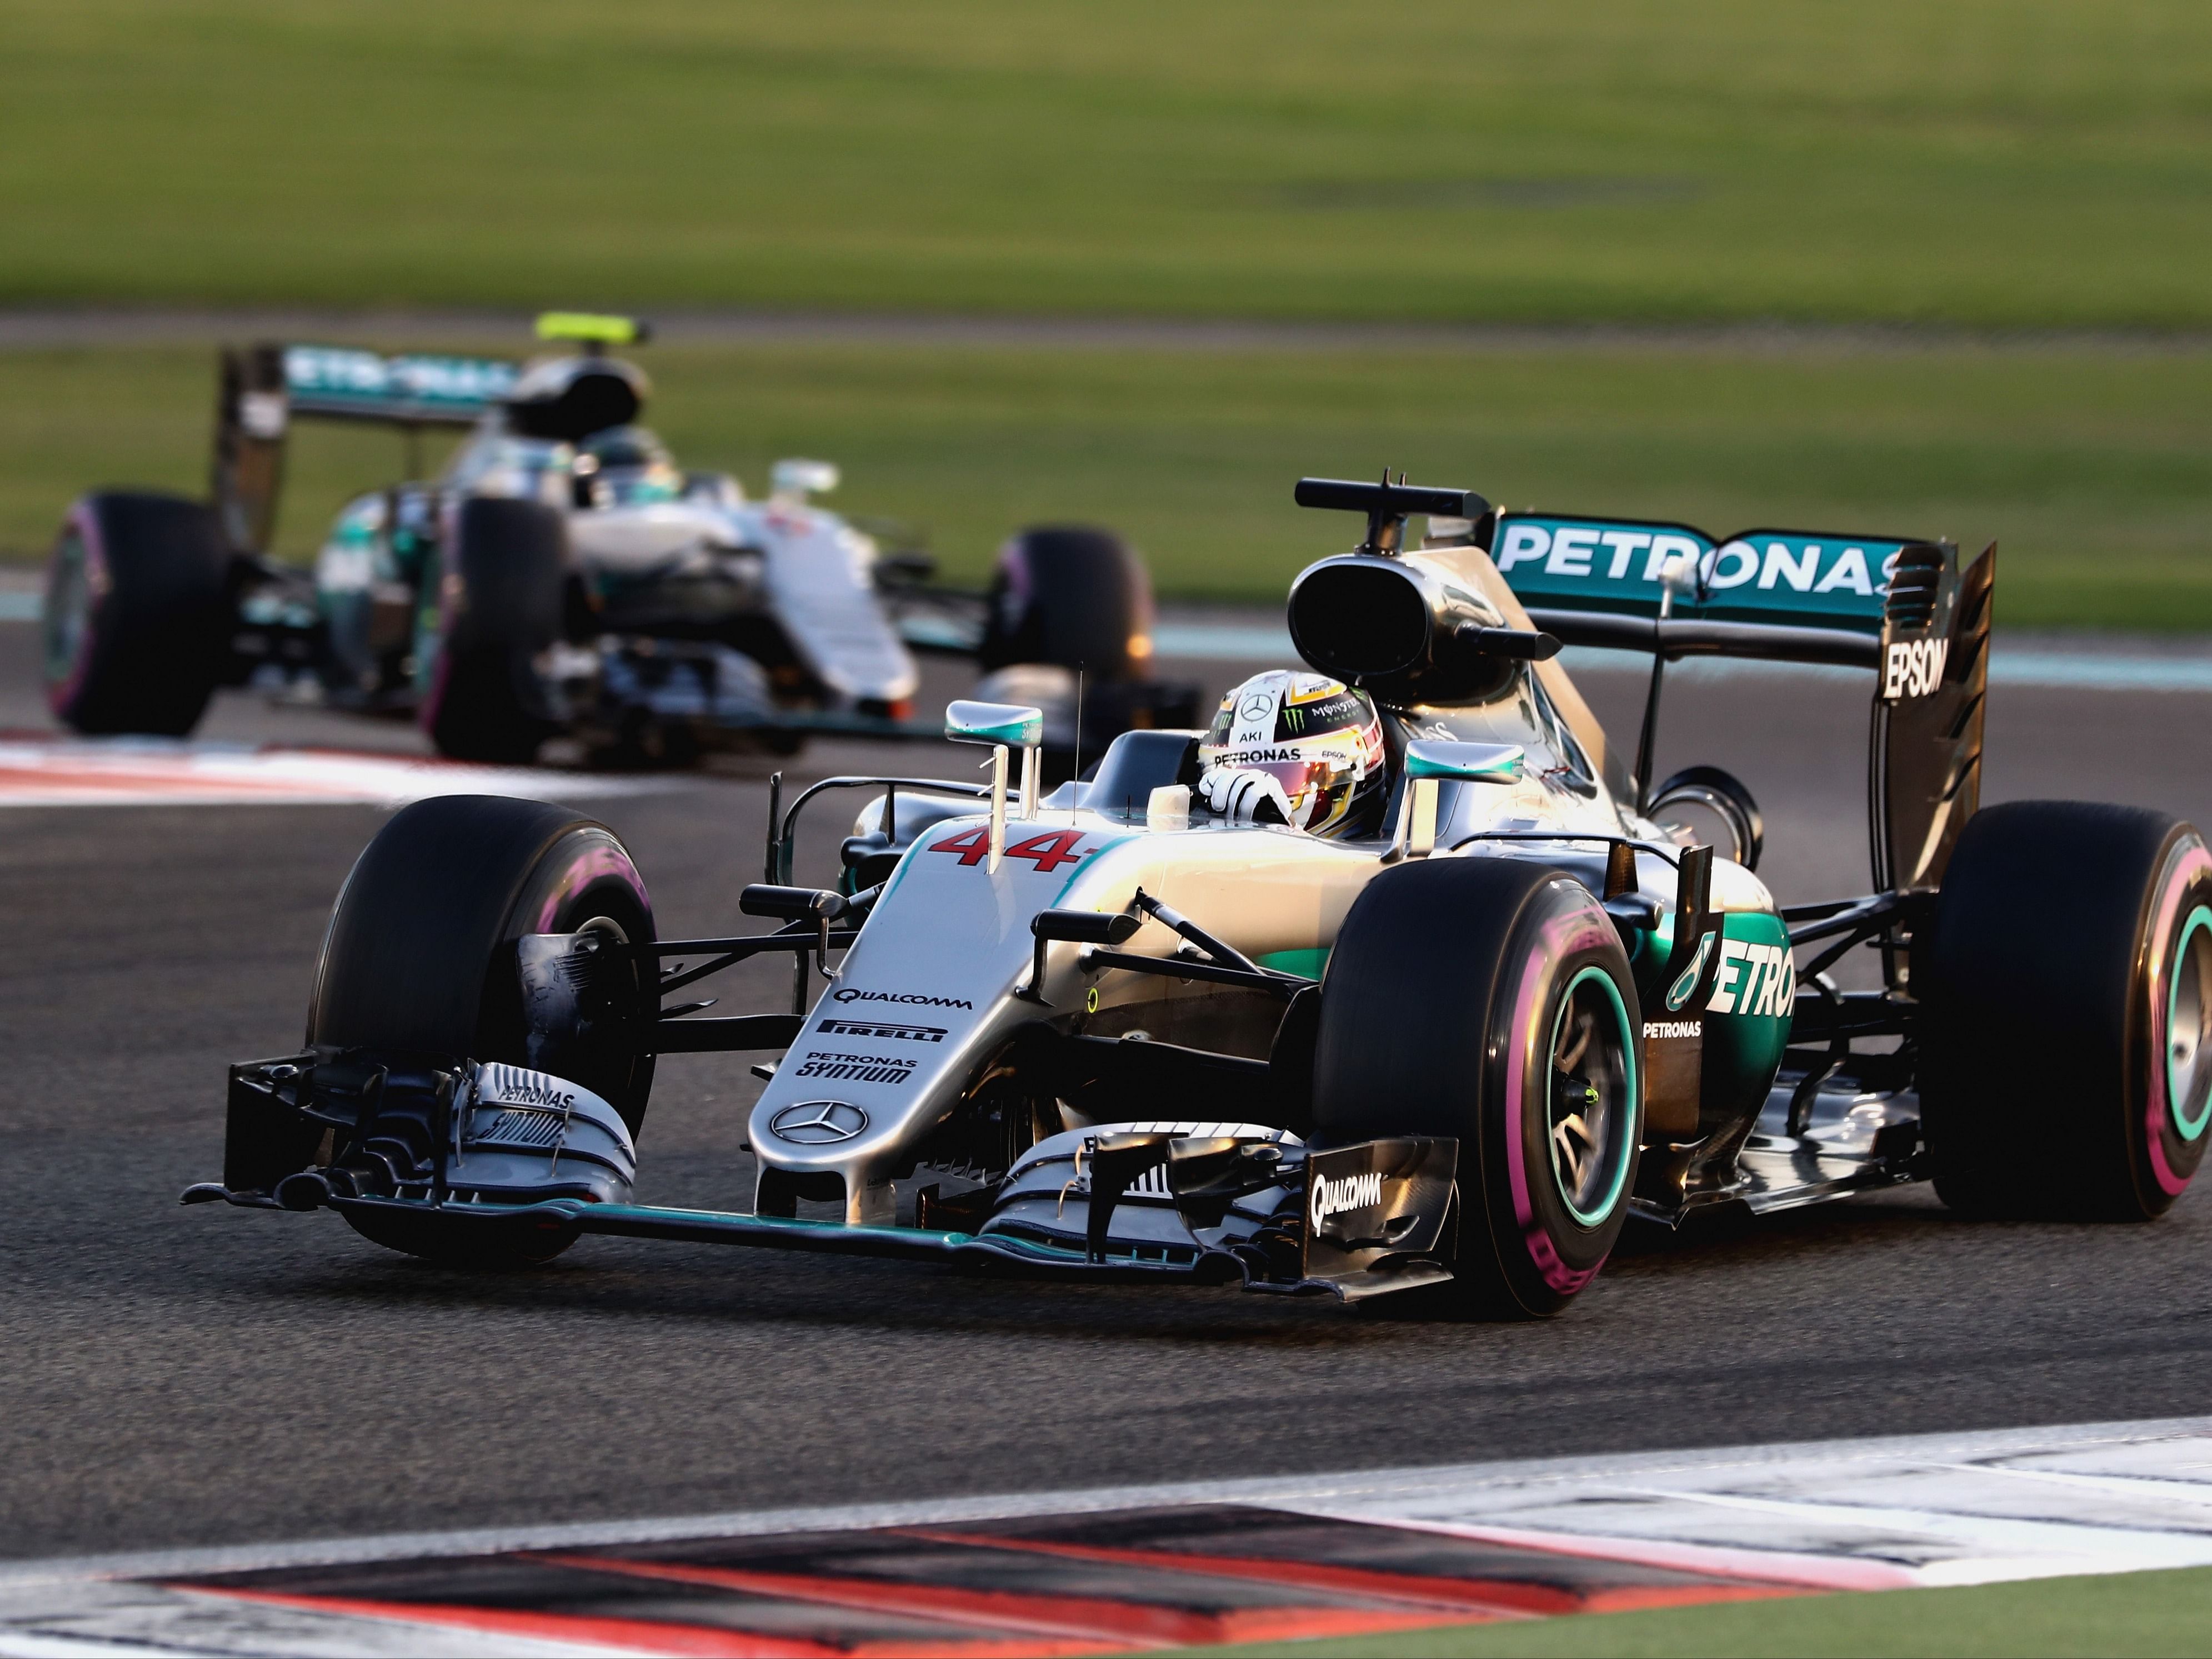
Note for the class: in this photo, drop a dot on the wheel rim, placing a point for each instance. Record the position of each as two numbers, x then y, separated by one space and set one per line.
2189 1028
67 613
1591 1095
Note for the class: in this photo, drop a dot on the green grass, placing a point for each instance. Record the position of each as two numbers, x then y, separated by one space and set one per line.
2115 1614
2093 470
2010 162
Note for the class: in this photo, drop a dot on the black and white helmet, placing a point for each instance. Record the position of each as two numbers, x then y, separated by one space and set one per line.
1299 748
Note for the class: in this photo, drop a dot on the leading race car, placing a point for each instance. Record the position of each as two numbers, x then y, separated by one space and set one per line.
561 576
1396 977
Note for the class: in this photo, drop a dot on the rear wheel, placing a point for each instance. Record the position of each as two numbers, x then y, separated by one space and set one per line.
506 589
136 622
1074 596
420 959
2066 1067
1490 1000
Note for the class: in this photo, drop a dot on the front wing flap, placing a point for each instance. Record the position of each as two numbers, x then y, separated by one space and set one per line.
1351 1222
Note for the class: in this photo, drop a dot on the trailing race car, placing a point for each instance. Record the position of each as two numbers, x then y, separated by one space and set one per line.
1396 976
561 575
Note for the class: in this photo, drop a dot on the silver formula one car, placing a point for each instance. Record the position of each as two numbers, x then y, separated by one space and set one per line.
561 576
1396 976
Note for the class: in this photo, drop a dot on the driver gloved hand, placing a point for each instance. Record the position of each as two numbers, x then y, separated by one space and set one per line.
1245 797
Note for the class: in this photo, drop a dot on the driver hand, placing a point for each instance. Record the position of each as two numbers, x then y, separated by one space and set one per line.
1245 797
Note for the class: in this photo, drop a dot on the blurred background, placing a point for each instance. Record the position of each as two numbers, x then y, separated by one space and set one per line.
1887 266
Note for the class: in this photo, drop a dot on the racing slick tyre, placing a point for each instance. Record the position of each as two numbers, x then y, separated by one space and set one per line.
1075 597
420 958
505 598
1490 1000
2066 1059
137 618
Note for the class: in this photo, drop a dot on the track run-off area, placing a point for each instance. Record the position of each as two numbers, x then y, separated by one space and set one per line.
1362 1553
315 1422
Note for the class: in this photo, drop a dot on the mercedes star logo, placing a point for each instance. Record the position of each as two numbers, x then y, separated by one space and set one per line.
818 1123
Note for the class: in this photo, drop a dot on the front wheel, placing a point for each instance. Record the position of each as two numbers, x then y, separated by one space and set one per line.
503 595
2066 1067
420 960
1490 1000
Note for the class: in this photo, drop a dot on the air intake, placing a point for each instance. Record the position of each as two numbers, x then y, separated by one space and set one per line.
1360 620
1405 633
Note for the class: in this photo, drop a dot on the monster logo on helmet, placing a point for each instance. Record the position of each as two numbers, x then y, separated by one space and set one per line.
1297 747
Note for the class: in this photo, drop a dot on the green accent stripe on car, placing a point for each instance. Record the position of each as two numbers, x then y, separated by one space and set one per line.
2190 1125
1306 965
1625 1135
1473 763
1014 725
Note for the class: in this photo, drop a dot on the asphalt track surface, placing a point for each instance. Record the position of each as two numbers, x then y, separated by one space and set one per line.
176 1378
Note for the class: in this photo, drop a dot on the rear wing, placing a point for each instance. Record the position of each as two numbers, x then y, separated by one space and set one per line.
263 387
412 389
1900 605
1790 595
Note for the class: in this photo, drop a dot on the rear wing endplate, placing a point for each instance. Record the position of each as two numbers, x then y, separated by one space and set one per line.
263 387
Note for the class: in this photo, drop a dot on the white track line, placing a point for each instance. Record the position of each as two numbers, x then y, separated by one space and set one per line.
116 1619
1838 1515
155 772
1914 1510
2157 1453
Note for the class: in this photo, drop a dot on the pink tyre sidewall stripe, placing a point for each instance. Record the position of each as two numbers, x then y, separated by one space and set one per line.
86 525
1558 939
2193 865
605 860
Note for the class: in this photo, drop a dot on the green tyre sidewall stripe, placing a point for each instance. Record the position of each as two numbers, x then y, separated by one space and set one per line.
2189 1128
1618 1152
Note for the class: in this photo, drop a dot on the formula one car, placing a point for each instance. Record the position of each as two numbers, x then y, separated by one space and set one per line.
1397 977
561 575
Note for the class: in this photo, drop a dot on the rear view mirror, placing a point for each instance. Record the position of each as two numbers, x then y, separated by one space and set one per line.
1429 763
794 480
1008 723
1464 762
1003 725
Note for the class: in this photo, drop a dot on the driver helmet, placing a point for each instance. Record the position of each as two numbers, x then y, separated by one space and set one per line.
1318 737
632 467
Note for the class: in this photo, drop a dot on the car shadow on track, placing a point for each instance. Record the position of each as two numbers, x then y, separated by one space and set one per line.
691 1285
1725 1233
665 1287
